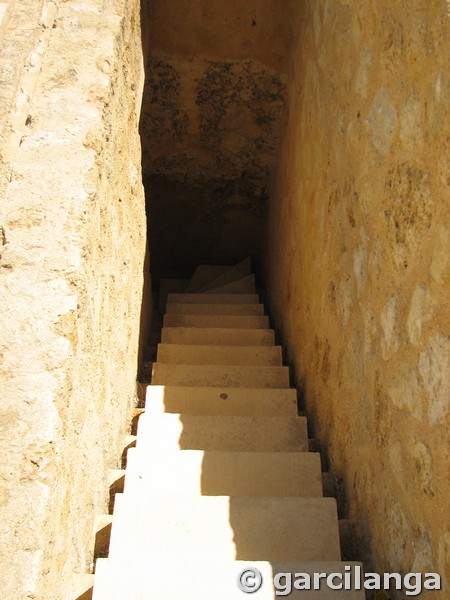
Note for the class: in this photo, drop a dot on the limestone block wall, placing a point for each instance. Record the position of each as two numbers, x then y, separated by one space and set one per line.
357 263
210 125
24 33
72 248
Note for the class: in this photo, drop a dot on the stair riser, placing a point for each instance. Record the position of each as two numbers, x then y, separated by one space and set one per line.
272 529
221 321
238 310
218 337
111 584
223 401
220 375
196 473
214 298
196 354
240 434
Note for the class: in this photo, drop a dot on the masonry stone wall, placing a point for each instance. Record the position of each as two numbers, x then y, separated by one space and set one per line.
357 259
72 249
210 126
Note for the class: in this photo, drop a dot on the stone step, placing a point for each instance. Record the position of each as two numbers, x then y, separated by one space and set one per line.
214 298
232 274
215 309
225 528
221 321
133 579
198 473
203 275
246 285
169 432
218 336
220 375
219 355
223 401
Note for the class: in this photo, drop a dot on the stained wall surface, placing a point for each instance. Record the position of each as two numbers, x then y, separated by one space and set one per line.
72 248
357 263
210 124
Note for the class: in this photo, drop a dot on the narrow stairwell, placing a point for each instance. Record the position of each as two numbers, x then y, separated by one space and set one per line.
221 478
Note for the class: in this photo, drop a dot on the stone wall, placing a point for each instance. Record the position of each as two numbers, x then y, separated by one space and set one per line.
357 262
24 33
210 126
72 252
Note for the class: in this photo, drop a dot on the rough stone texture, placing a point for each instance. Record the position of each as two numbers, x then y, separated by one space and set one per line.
210 128
358 264
24 34
72 251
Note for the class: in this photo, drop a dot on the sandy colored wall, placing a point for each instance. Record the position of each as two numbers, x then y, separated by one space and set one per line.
24 34
72 253
210 126
357 264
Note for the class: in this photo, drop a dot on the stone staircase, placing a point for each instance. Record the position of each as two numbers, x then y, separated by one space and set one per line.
220 478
